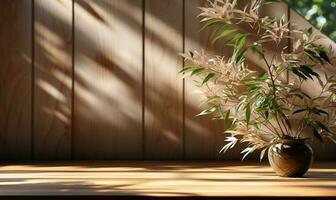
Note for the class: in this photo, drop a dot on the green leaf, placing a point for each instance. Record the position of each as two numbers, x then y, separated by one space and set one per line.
226 117
240 42
197 71
312 55
299 74
223 34
324 56
208 77
208 111
308 70
305 73
248 114
212 99
216 31
209 23
188 68
240 56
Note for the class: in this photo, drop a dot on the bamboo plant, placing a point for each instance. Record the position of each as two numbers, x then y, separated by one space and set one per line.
261 107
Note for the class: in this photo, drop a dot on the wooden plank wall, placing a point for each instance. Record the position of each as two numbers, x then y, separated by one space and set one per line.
108 79
15 79
162 84
52 79
98 79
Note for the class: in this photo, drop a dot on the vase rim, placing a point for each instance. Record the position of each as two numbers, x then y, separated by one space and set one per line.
293 140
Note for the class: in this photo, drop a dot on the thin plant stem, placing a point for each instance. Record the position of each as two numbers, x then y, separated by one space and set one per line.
274 92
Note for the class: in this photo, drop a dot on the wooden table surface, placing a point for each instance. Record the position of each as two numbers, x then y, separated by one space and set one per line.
153 178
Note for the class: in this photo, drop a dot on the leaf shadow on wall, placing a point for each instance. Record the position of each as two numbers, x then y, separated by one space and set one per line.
108 85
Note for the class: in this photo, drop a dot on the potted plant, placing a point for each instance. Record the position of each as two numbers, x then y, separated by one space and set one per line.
268 110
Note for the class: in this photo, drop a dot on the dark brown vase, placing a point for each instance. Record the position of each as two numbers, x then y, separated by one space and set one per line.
290 157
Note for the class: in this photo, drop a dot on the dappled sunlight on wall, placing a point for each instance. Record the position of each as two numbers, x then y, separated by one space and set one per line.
105 81
108 80
163 87
53 79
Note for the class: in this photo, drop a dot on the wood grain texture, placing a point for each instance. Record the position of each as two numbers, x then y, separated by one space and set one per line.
163 85
108 79
183 180
15 79
203 136
53 79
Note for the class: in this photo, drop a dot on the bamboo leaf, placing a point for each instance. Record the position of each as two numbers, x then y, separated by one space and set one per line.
212 99
240 56
231 143
208 111
313 56
208 23
208 77
305 72
188 68
247 151
248 114
197 71
299 74
223 34
226 117
240 42
324 56
262 154
309 70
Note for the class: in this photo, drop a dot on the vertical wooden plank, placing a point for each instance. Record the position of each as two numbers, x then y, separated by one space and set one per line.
163 85
53 74
203 136
108 79
15 79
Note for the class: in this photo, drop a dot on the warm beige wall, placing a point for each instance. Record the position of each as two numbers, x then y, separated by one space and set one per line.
98 80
